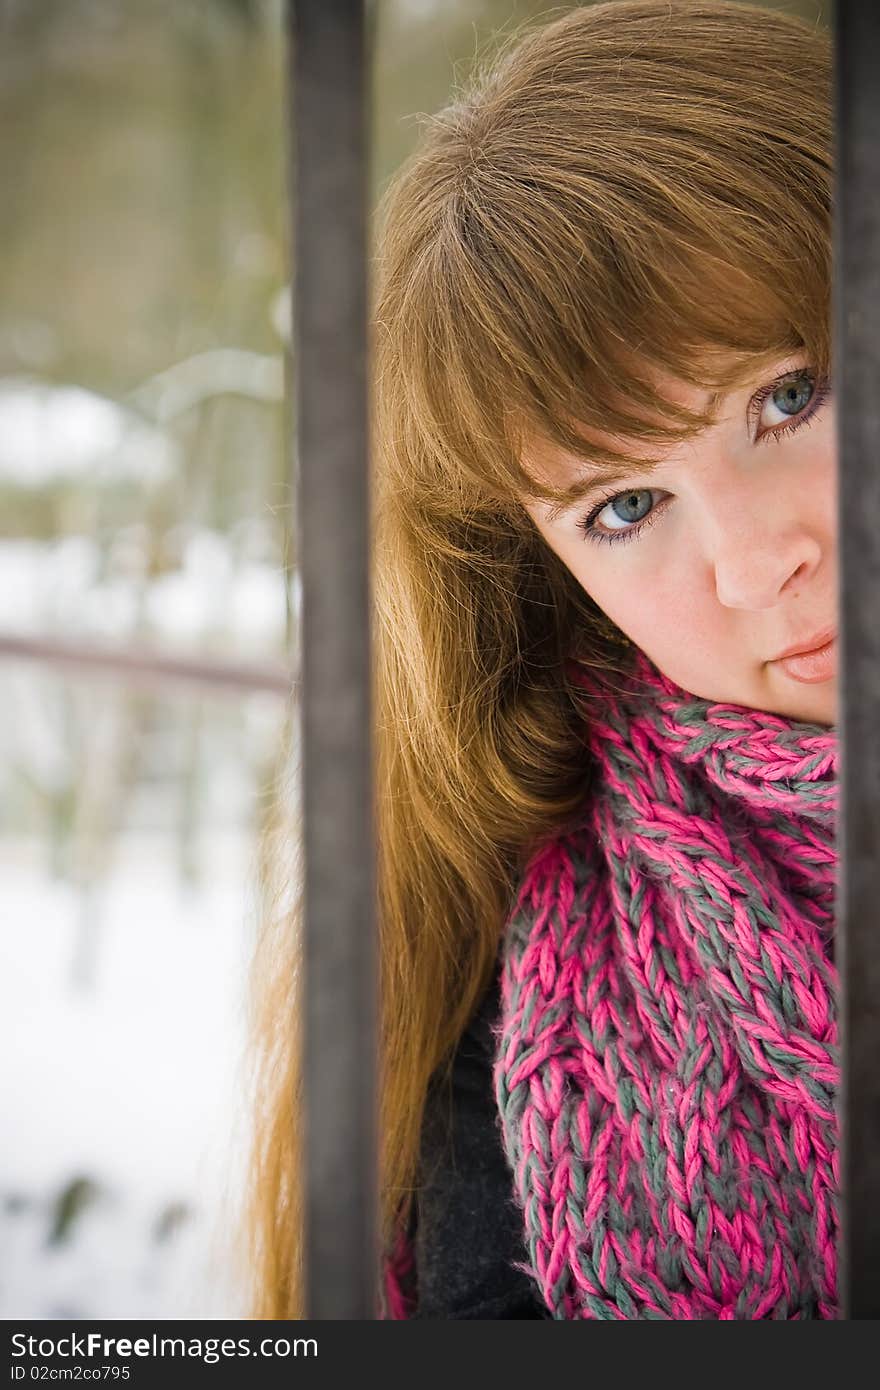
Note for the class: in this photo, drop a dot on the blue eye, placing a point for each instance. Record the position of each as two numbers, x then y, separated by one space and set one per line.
634 508
796 396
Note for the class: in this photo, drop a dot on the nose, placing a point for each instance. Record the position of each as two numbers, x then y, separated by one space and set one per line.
756 565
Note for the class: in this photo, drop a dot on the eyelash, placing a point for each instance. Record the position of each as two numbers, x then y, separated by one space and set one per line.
821 392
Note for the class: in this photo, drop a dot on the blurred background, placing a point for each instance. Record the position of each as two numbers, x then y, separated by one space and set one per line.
144 505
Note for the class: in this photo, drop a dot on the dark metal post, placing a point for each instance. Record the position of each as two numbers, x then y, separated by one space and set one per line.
857 382
328 84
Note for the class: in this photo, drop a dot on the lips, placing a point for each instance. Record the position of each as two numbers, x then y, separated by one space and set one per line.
811 644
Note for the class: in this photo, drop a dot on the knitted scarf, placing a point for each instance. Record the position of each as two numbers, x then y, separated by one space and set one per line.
666 1061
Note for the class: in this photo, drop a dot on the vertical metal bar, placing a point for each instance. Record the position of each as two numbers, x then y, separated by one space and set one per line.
328 84
857 376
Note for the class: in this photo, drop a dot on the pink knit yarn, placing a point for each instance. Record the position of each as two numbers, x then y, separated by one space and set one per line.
397 1295
666 1065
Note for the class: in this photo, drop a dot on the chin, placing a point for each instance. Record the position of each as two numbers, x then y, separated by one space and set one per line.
809 704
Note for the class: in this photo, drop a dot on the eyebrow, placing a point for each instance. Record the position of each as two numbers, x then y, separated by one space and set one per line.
586 487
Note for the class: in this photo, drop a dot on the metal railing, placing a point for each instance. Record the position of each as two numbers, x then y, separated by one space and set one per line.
857 389
329 137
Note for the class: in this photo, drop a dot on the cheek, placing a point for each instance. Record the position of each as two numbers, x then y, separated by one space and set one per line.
817 475
826 469
667 610
644 601
657 617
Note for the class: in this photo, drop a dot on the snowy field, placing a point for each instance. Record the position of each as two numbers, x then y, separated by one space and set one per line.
120 1099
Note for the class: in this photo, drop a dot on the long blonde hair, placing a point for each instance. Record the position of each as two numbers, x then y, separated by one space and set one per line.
639 186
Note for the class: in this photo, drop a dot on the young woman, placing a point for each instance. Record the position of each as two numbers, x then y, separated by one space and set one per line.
606 598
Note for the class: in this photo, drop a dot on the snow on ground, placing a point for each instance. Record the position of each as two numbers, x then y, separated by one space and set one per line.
130 1085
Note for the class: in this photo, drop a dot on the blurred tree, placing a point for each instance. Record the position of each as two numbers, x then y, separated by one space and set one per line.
143 213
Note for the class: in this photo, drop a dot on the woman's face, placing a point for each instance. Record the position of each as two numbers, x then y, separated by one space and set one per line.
723 556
